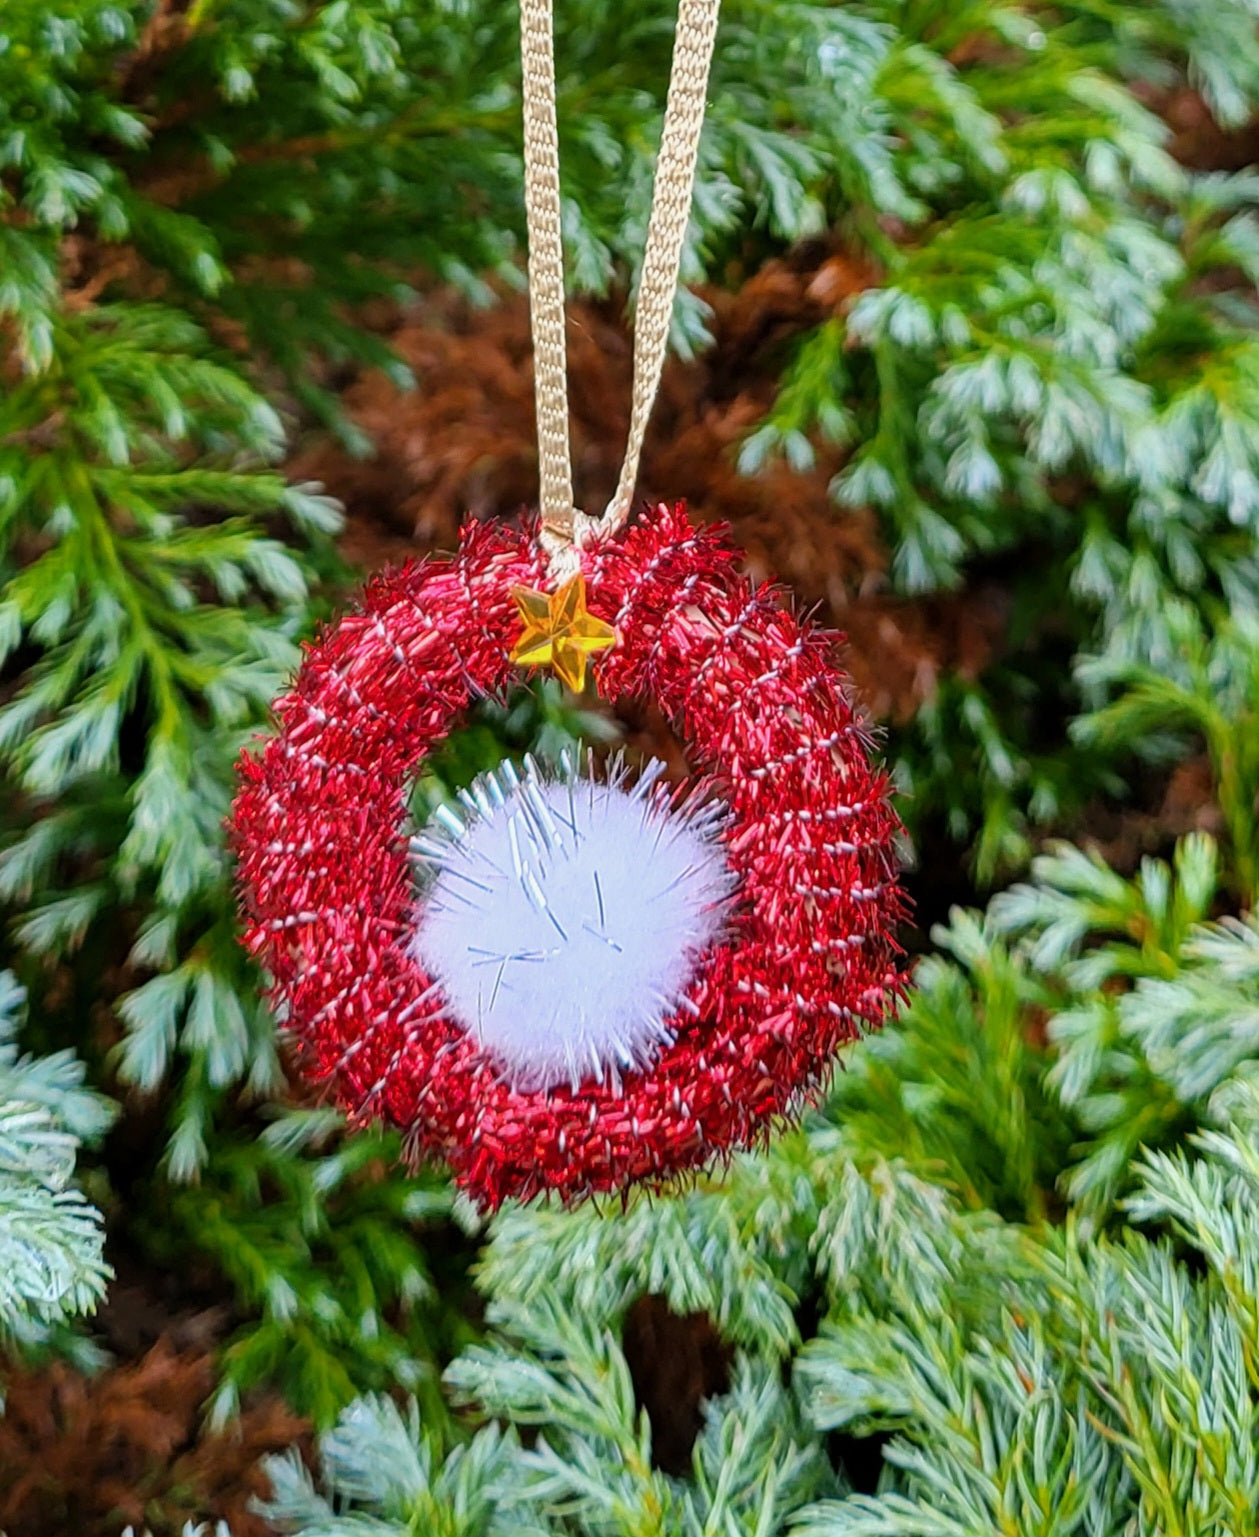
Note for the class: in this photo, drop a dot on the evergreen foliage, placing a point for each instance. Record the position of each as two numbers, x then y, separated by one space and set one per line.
1013 1259
321 1253
51 1238
1029 381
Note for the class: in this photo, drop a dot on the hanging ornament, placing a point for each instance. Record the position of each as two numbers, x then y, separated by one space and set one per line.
579 978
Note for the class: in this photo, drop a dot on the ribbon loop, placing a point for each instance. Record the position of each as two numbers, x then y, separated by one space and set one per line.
564 529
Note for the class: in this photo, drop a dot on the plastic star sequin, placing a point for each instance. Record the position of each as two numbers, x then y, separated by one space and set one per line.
559 631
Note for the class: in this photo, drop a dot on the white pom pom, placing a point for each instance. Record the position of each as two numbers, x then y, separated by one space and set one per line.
565 917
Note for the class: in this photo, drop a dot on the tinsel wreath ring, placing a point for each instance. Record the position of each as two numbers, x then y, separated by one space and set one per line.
321 830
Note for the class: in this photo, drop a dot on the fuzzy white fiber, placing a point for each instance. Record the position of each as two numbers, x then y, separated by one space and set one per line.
564 917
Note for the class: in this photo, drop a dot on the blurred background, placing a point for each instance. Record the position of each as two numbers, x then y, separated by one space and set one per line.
968 358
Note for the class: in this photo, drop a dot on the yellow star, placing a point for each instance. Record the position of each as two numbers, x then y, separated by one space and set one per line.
559 631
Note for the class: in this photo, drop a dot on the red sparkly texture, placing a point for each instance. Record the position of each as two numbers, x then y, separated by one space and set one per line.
321 828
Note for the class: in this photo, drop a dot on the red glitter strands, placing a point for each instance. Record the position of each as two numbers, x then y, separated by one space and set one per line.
807 960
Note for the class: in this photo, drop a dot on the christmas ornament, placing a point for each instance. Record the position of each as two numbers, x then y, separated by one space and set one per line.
580 977
801 954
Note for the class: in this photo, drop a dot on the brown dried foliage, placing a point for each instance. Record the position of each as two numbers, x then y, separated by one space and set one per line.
89 1455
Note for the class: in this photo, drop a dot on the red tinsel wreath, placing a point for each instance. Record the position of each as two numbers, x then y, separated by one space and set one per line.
756 693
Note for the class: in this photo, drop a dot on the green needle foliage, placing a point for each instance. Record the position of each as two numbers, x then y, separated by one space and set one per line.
317 1236
1200 689
159 638
1011 1264
1054 374
51 1239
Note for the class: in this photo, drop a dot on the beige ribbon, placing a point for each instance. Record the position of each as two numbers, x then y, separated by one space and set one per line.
564 528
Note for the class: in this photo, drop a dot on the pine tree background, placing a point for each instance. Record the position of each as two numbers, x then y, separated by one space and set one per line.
969 356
